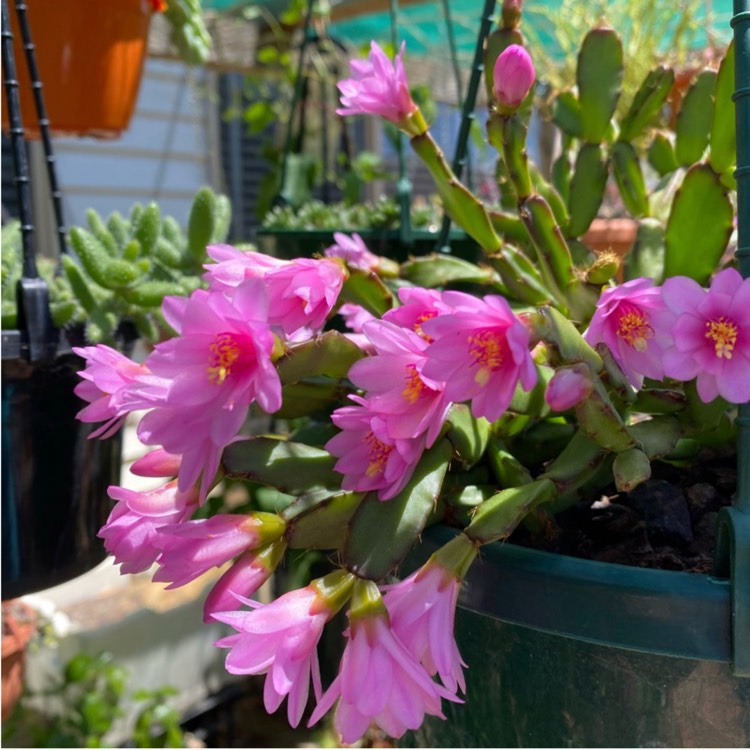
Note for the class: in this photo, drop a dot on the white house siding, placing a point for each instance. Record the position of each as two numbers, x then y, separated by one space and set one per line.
168 152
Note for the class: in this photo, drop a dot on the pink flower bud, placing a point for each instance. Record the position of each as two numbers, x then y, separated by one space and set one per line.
514 75
568 387
156 463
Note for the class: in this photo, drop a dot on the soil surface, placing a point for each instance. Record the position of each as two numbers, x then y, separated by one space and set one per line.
668 522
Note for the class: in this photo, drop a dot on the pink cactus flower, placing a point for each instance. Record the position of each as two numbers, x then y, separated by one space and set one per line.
711 335
302 293
368 458
481 351
192 548
279 640
514 76
114 386
218 365
378 87
132 530
233 266
417 306
422 608
156 463
635 324
353 251
568 387
355 316
409 403
379 680
243 578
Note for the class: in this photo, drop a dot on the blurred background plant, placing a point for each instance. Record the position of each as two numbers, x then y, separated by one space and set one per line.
81 705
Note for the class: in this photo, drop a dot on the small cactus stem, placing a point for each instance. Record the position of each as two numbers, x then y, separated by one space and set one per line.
367 601
456 556
458 201
497 517
507 133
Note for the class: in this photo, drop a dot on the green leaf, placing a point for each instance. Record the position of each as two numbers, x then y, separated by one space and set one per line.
599 78
435 270
366 289
468 434
723 138
294 468
699 225
316 522
646 257
661 154
657 436
330 354
693 125
647 102
399 521
306 398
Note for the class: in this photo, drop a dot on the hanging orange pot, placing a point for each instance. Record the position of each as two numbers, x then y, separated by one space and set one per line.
90 58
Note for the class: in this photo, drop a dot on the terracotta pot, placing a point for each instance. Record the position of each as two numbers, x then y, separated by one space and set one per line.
19 622
90 58
615 235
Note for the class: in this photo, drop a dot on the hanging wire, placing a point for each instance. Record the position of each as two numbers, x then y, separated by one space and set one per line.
18 146
36 87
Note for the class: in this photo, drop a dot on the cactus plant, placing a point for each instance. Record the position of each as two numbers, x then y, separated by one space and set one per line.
121 269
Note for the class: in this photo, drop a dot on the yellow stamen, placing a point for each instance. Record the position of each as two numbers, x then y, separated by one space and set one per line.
224 353
379 453
489 351
723 333
633 328
415 386
418 325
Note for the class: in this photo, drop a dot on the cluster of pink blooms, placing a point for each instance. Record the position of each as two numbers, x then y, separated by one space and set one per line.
433 350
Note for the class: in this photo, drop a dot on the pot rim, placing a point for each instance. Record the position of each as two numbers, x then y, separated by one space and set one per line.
666 612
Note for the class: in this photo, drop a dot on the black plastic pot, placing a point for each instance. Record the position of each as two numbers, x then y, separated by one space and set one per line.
54 480
564 652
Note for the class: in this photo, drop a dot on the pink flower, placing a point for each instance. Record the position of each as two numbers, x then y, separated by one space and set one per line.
423 610
303 292
514 75
379 680
234 266
279 640
217 367
246 575
378 87
132 530
114 386
353 251
156 463
635 324
409 403
481 351
711 335
417 306
568 387
355 316
368 458
191 548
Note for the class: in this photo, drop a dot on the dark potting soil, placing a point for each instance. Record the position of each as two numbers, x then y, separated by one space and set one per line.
668 522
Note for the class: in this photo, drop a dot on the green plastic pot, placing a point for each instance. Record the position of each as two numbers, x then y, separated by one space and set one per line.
564 652
304 243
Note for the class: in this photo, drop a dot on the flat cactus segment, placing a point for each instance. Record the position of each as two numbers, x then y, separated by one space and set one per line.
647 102
693 126
723 138
699 225
599 78
626 167
586 188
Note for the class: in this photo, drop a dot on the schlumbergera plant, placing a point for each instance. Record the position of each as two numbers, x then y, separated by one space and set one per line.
483 395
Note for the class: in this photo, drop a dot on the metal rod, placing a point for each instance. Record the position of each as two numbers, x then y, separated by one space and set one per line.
468 116
37 90
18 145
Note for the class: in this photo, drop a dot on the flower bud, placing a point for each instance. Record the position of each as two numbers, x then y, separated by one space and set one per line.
568 387
514 75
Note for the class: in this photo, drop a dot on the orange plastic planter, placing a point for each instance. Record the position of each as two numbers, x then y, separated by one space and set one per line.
90 56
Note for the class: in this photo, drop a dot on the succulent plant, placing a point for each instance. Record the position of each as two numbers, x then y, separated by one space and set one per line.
122 268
